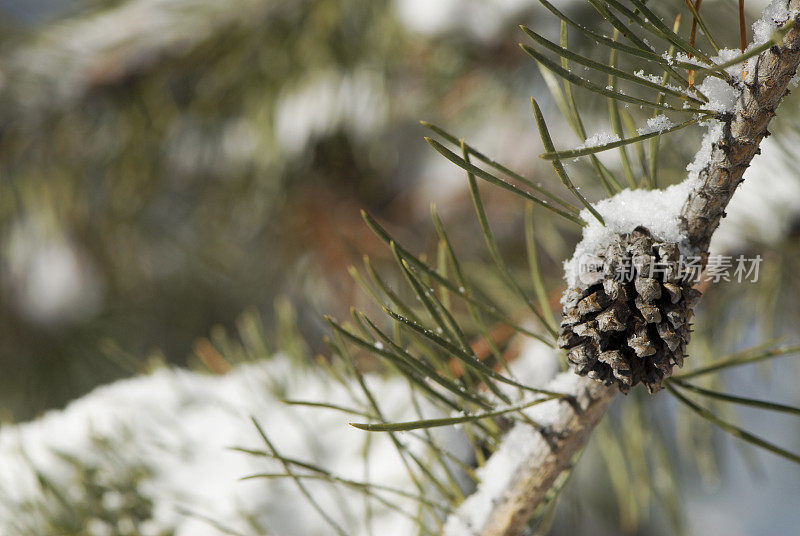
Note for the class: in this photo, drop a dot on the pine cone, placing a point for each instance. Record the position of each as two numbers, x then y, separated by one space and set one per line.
630 323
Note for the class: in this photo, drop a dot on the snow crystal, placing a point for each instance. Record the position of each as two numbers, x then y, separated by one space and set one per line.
659 123
721 96
649 77
596 140
728 54
685 58
773 17
656 79
657 210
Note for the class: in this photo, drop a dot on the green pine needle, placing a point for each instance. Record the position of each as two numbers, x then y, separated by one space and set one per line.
746 357
445 421
731 429
494 250
560 171
498 166
488 177
761 404
607 69
574 153
591 86
462 292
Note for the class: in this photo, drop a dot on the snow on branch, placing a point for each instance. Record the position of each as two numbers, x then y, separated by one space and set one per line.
516 479
733 142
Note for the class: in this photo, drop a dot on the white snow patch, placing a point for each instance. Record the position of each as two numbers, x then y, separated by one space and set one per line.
657 210
481 19
596 140
494 477
51 280
775 15
80 52
656 79
182 425
772 18
535 366
326 101
703 156
684 58
659 123
428 18
721 96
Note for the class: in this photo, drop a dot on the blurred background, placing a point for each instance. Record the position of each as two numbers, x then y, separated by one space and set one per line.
168 165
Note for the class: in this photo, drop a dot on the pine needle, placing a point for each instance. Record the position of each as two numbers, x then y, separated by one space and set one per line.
498 166
746 357
617 95
488 177
761 404
560 171
574 153
445 421
731 429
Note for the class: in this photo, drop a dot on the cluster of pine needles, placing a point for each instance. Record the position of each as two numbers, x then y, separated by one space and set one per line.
440 332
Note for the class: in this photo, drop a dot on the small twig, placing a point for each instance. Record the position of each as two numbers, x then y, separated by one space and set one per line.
693 34
742 27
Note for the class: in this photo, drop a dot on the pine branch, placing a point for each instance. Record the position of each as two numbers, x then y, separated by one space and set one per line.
532 460
517 477
764 87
